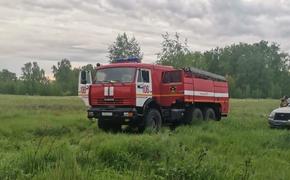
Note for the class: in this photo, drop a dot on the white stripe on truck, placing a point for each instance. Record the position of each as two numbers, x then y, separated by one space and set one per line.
205 93
106 91
111 91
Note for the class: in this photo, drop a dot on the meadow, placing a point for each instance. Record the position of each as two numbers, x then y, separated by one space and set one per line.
51 138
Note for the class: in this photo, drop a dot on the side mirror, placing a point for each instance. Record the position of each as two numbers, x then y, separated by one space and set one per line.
83 77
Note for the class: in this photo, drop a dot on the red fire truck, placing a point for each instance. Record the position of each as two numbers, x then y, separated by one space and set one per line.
145 96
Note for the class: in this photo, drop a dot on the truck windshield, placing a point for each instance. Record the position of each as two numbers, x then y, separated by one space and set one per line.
115 75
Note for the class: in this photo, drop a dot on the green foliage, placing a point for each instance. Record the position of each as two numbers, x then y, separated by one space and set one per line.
50 138
259 70
65 77
6 75
256 70
32 72
33 78
174 52
34 82
124 47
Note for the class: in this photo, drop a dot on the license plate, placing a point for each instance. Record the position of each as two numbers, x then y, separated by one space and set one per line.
107 113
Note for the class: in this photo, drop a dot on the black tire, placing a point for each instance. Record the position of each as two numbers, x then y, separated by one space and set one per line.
188 116
109 125
152 121
210 114
192 115
197 114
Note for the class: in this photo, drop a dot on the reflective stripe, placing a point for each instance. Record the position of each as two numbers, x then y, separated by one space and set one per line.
106 91
205 93
221 94
111 91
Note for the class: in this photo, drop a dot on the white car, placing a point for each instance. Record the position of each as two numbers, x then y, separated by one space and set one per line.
280 117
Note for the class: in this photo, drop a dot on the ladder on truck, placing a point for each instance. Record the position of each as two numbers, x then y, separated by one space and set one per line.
204 74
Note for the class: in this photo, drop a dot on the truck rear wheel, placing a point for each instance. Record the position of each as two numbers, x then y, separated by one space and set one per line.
192 114
209 114
153 121
108 125
197 114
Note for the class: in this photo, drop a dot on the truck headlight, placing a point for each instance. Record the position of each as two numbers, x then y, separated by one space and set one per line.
272 114
128 114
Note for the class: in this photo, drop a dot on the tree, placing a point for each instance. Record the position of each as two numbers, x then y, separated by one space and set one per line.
174 52
65 78
6 75
8 81
257 70
124 47
32 72
33 77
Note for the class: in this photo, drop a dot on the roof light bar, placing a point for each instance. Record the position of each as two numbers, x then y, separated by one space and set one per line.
127 60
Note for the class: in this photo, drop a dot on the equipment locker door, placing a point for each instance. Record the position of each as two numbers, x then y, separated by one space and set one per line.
143 86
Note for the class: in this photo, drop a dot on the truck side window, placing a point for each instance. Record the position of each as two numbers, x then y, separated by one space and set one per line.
143 76
171 77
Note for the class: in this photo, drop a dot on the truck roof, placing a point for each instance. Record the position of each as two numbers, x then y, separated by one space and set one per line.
196 72
205 74
137 65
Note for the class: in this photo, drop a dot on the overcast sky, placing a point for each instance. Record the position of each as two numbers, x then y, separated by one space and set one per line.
81 30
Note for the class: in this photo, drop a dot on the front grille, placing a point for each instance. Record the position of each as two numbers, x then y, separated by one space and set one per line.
113 101
282 116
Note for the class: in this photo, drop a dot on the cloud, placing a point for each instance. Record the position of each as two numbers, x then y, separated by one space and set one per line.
82 30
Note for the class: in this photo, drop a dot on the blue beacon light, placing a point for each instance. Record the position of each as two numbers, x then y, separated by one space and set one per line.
127 60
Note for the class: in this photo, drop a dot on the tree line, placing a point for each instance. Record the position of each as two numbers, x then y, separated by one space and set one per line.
257 70
33 80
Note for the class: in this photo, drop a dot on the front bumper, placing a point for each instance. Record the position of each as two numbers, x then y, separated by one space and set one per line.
278 123
124 113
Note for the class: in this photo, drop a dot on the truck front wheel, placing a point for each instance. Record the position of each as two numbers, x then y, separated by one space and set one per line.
153 121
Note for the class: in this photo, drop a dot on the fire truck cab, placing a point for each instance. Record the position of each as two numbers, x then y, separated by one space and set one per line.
145 96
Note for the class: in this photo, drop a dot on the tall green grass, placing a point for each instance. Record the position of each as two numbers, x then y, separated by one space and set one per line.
50 138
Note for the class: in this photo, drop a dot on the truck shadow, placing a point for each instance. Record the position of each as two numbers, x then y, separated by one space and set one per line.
170 127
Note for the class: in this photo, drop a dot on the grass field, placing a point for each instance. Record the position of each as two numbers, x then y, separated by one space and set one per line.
50 138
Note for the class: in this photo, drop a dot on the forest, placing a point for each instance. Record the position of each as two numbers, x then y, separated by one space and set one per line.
257 70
